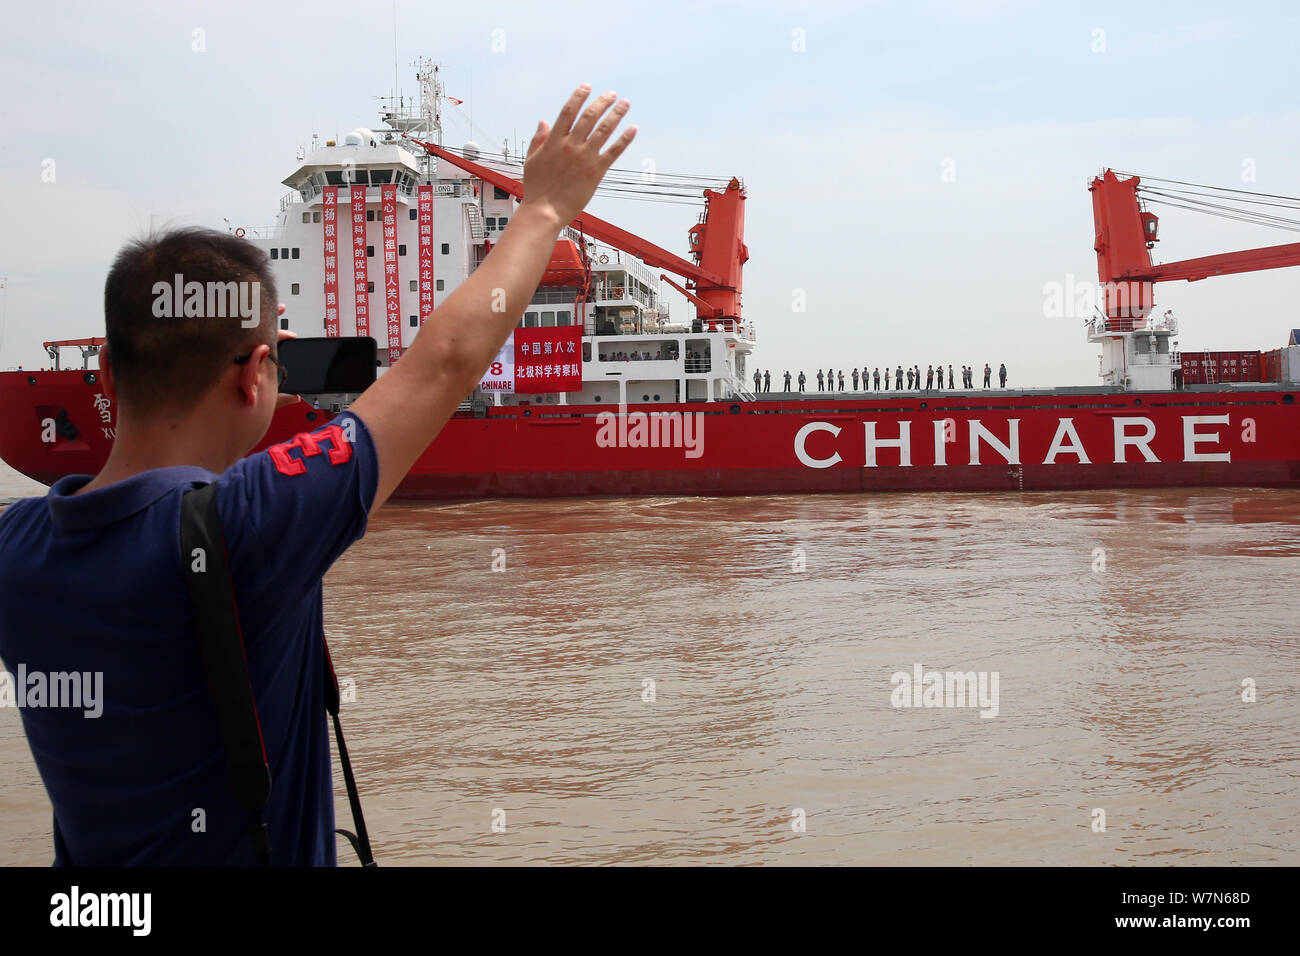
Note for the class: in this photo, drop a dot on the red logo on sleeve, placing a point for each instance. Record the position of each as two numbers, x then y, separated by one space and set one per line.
309 442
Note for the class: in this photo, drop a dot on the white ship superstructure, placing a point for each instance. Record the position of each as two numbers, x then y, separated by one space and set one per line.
632 351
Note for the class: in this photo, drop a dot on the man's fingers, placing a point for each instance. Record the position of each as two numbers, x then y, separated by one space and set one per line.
609 156
609 123
564 122
582 128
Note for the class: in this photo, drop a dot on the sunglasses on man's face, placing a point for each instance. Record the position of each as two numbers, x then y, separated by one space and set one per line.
283 372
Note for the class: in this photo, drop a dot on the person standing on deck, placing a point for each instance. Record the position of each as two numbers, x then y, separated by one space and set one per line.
855 378
841 380
950 385
876 378
1002 374
821 384
898 379
802 380
988 372
787 381
767 380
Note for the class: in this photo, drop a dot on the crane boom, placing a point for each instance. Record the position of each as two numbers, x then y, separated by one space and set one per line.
721 250
1125 234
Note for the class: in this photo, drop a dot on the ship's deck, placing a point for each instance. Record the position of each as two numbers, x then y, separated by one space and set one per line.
1218 388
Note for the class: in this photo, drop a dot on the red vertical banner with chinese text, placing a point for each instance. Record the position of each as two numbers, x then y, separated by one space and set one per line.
360 267
392 295
329 218
425 213
548 360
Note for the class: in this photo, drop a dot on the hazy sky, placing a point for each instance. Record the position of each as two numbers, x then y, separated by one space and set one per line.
842 119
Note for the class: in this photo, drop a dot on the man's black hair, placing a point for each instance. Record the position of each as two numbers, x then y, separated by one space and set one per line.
161 357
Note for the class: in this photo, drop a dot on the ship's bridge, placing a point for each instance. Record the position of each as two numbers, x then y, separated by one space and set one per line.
357 162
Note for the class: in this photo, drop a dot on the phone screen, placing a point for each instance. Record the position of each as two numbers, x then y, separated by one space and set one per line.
319 365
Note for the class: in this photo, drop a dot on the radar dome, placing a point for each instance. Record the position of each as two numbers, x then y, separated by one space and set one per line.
360 137
471 150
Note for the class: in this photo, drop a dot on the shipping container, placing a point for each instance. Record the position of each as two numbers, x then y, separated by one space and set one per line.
1271 366
1208 368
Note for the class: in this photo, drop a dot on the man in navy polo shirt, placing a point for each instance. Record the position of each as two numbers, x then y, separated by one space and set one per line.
92 578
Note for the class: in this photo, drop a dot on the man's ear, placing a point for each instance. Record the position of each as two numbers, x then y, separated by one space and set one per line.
250 375
106 374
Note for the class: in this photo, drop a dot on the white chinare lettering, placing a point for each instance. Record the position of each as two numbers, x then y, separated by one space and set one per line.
940 446
1010 451
903 443
1123 439
1063 430
801 453
1191 437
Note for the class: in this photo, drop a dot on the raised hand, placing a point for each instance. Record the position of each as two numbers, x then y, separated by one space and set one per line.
565 163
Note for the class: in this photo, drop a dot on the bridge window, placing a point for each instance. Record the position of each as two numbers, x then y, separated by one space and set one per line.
293 289
401 250
294 250
306 217
414 321
275 253
439 284
370 215
446 249
412 213
378 176
499 193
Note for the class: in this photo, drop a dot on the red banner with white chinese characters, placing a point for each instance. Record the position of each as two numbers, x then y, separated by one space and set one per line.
548 360
425 213
392 296
360 267
329 218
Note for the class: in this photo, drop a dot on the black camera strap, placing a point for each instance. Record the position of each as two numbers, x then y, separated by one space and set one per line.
221 643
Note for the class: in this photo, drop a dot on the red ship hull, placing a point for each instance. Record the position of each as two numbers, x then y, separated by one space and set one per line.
954 441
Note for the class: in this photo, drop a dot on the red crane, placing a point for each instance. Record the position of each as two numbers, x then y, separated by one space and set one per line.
714 280
1125 235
